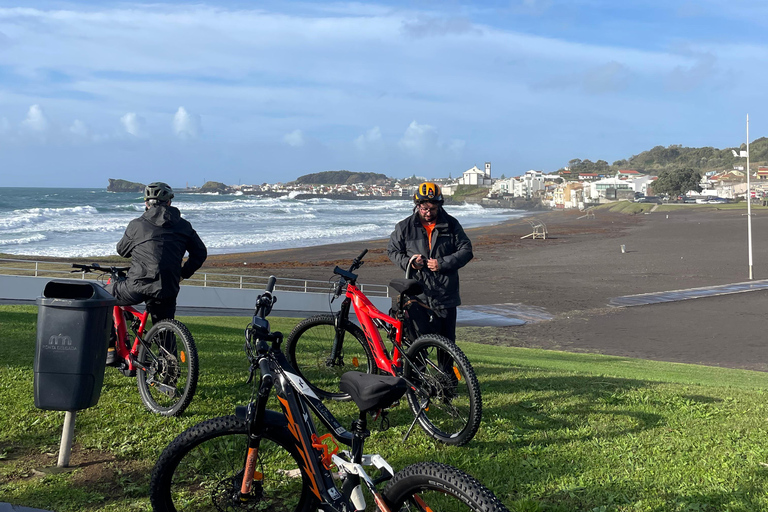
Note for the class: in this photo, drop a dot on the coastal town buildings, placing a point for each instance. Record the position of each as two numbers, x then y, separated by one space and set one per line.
560 190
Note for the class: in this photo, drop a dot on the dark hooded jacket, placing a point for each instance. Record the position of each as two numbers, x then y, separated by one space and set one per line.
156 243
450 246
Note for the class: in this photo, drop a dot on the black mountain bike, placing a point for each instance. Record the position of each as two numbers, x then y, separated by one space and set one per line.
261 459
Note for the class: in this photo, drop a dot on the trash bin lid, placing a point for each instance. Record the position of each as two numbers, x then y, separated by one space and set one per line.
75 293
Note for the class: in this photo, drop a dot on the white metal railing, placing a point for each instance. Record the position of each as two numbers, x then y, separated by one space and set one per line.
21 267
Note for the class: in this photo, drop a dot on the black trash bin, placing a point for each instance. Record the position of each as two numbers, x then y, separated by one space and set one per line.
74 320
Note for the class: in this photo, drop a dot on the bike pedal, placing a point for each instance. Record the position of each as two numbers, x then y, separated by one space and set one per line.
125 371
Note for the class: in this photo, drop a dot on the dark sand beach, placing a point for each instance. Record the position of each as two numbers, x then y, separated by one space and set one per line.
579 268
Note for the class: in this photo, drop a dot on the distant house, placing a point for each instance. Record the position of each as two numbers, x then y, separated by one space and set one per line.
607 188
628 173
568 195
762 172
475 176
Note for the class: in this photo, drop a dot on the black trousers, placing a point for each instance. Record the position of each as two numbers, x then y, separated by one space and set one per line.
447 324
159 309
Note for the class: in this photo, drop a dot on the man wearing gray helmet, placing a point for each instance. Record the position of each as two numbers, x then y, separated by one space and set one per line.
156 243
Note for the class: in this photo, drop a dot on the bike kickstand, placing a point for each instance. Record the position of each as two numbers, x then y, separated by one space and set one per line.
415 419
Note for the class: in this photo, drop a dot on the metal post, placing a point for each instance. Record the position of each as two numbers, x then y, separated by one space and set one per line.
749 206
36 267
67 436
205 280
241 282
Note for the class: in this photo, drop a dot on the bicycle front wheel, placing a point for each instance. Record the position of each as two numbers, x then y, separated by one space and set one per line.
169 355
203 468
428 486
446 399
309 348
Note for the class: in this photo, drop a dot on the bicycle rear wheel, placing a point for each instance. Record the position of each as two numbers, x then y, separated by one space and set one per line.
170 356
430 486
202 469
309 351
447 398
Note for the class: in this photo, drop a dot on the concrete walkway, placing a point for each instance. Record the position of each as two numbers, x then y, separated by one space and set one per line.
691 293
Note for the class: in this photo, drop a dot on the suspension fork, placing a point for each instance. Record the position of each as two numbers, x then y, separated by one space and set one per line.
339 321
254 418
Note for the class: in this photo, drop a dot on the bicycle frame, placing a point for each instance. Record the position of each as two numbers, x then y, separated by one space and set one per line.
368 315
297 400
125 351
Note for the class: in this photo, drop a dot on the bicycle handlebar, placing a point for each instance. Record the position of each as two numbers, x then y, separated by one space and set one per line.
348 275
95 267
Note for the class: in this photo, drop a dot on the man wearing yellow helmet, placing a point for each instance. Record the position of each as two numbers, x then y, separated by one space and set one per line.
434 244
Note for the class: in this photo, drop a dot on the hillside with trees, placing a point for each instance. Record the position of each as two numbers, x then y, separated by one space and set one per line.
342 178
672 157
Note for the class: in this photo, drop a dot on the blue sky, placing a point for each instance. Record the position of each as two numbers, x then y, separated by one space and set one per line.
252 92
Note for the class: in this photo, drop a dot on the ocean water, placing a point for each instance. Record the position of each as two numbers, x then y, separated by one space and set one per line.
74 222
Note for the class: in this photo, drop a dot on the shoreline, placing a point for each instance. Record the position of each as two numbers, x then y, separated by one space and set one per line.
574 273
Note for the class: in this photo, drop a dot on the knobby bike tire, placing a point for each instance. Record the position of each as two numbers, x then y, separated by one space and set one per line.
202 469
308 349
438 487
447 398
170 355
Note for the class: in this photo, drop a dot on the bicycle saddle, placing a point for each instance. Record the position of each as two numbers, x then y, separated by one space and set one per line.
406 286
372 392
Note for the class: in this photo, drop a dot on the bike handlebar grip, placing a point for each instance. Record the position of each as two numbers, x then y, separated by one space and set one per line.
271 284
365 251
266 374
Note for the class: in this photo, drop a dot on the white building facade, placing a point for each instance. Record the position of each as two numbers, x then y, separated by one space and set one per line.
475 176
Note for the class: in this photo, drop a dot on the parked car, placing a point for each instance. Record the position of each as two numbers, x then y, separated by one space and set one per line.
689 199
648 199
717 200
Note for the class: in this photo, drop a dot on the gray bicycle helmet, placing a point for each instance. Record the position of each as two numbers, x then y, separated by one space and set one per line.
158 191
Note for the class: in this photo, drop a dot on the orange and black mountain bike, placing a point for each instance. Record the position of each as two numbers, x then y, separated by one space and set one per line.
260 459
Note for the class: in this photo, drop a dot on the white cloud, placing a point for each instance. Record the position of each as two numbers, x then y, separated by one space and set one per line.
371 136
295 138
457 145
79 129
5 126
436 27
418 138
186 125
35 120
133 124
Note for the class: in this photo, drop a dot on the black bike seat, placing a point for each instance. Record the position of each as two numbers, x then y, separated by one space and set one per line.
372 392
406 286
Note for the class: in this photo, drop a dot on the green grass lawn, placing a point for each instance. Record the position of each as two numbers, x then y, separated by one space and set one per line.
560 431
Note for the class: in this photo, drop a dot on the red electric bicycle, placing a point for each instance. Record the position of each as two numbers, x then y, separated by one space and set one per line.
443 393
164 360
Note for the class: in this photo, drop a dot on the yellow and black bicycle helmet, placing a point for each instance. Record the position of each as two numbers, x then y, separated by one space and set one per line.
428 192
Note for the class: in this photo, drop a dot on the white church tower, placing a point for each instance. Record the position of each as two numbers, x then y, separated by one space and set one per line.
488 170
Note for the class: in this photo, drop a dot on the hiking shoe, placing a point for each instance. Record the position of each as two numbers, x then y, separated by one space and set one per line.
111 357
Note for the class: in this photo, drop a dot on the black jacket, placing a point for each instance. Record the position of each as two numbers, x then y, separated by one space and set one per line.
156 243
450 246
